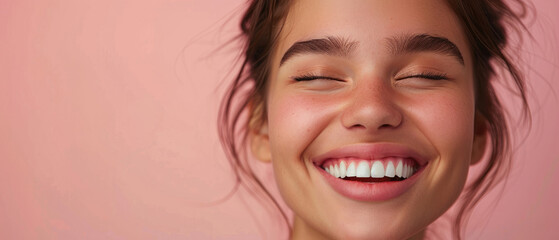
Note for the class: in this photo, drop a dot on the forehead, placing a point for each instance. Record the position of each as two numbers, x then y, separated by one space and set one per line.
370 22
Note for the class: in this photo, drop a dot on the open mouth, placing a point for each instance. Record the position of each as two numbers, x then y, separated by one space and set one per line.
391 169
371 171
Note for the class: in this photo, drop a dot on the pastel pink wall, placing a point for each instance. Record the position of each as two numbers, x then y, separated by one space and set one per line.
107 125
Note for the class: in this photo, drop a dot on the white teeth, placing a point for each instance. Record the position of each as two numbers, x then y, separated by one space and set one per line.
406 171
363 170
351 170
377 170
336 171
343 169
390 171
399 169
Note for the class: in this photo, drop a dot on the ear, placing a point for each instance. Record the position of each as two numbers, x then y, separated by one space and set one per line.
480 138
258 135
260 144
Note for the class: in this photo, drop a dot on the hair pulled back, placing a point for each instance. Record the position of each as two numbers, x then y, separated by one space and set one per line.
486 24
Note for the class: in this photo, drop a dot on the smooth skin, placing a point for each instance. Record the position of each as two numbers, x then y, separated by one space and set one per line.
370 95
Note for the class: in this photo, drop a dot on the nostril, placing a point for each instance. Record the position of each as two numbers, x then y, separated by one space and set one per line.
359 126
385 126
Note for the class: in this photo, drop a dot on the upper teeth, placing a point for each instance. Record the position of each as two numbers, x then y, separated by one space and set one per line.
373 169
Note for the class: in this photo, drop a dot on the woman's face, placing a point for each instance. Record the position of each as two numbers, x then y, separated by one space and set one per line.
379 93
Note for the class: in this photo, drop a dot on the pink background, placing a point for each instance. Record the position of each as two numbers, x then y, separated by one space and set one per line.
108 115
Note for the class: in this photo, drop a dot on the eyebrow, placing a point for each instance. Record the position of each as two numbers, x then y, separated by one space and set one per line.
410 43
331 45
398 45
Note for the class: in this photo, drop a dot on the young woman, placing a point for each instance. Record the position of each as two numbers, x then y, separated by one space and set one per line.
372 112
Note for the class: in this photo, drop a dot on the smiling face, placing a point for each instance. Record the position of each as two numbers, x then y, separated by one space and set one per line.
359 90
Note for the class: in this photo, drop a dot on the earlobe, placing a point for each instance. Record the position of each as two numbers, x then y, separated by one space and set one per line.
480 139
260 144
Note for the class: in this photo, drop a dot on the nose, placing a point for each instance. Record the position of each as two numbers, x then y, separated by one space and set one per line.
372 107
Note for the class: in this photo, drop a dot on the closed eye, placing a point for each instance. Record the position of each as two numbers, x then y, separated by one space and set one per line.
315 77
430 76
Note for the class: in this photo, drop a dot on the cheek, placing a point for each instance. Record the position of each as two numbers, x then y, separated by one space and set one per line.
446 118
449 126
459 121
295 120
450 121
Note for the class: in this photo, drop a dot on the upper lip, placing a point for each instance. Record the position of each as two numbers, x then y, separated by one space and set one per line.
371 151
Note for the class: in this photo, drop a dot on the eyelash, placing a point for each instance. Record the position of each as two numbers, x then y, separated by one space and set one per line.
314 77
425 75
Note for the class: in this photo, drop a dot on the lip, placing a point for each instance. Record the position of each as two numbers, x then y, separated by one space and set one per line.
371 151
371 191
374 191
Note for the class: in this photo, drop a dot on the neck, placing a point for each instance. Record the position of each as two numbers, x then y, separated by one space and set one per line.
301 230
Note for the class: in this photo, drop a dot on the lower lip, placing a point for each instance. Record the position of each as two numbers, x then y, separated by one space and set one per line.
371 191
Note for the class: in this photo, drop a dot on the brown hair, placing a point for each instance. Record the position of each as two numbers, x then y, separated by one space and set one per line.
485 23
